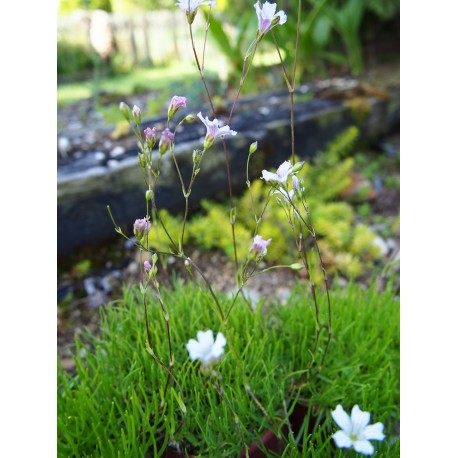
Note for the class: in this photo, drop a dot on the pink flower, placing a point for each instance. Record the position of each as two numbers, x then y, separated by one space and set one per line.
260 245
176 103
213 131
267 18
166 140
281 175
147 266
141 228
150 135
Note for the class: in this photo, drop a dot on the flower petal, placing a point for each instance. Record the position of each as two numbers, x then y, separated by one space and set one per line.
269 176
218 347
342 440
205 338
374 432
194 349
359 419
364 447
284 169
342 419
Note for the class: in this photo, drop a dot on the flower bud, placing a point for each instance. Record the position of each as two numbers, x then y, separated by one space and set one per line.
296 266
150 136
137 114
147 266
176 103
149 194
297 166
166 141
190 118
253 148
142 160
141 228
125 110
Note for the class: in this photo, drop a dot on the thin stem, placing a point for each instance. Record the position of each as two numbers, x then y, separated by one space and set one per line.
200 69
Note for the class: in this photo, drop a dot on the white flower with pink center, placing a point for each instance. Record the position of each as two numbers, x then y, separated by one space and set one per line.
267 18
260 245
214 131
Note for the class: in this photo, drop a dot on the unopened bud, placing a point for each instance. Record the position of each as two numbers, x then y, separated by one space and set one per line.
147 266
298 166
150 136
253 148
125 110
296 266
149 194
137 114
190 118
166 141
142 160
141 228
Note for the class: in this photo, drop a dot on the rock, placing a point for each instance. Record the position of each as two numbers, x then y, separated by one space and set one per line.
117 151
382 245
63 146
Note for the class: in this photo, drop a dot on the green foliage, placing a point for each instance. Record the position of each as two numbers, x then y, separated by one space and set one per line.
67 6
73 58
115 405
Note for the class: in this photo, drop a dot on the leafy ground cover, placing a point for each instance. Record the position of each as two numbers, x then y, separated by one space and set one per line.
112 405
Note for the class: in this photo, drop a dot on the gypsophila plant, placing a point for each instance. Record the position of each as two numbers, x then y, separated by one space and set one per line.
284 190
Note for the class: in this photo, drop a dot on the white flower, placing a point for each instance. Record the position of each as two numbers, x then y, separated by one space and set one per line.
267 18
205 348
281 175
214 131
192 5
356 431
260 245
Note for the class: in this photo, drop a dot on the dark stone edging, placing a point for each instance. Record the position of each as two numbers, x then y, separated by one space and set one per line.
83 194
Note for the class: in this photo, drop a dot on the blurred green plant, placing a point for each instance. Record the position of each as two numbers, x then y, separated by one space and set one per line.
73 58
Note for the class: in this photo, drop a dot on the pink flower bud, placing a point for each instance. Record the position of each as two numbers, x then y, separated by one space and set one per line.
166 141
141 228
147 266
150 135
176 103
